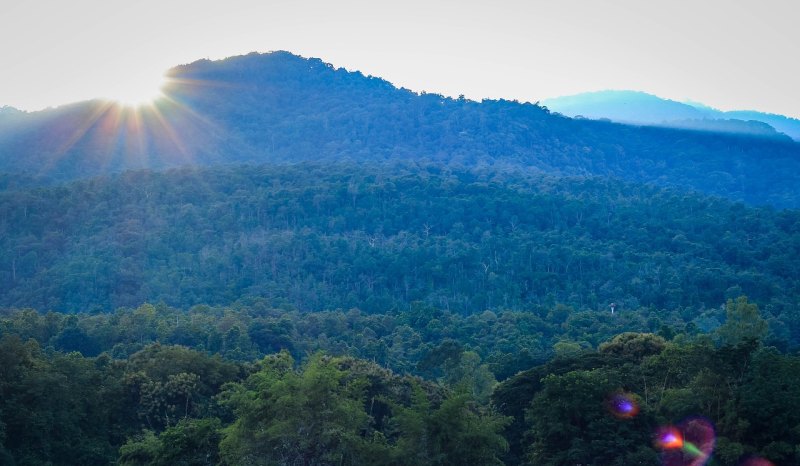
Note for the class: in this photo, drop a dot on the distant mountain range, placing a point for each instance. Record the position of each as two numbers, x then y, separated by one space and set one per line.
282 108
646 109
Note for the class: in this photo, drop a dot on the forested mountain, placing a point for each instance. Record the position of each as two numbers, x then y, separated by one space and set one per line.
381 237
282 108
646 109
341 272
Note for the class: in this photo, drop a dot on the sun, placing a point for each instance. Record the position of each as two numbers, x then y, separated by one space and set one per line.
137 90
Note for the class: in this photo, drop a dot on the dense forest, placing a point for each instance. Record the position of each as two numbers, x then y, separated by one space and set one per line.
131 395
278 107
379 239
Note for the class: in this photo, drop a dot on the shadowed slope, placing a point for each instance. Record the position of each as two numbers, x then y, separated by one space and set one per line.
282 108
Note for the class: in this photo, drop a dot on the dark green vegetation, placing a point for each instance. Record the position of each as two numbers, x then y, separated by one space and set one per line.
749 393
170 405
282 108
379 239
145 403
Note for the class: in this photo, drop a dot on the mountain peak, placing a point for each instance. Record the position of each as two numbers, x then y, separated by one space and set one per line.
256 72
246 60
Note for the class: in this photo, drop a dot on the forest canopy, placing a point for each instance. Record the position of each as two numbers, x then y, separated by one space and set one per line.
250 400
378 238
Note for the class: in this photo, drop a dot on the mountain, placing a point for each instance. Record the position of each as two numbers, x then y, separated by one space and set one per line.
383 236
623 106
8 112
784 124
646 109
281 108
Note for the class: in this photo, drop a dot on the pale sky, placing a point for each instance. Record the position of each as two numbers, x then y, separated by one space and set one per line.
725 53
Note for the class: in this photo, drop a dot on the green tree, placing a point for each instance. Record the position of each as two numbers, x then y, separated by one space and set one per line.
743 322
192 442
633 345
283 416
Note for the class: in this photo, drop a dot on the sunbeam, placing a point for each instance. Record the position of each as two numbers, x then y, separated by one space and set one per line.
138 91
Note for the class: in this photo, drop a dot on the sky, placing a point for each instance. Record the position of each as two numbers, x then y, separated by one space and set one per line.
727 54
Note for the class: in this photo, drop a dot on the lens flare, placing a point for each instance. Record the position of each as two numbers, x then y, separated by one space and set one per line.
690 443
669 438
622 405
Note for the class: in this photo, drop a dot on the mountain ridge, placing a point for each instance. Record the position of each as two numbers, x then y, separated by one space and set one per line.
282 108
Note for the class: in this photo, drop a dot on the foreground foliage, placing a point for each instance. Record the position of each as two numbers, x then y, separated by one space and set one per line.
749 392
164 404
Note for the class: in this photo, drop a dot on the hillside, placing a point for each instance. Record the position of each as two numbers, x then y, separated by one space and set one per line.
382 237
646 109
280 108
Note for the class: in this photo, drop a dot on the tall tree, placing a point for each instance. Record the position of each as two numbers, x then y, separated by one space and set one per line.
743 322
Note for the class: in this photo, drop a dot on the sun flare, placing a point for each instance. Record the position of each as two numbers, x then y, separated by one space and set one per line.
137 91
